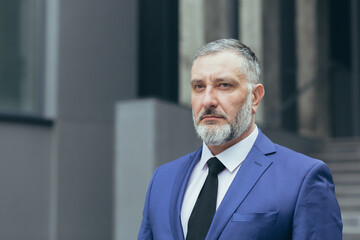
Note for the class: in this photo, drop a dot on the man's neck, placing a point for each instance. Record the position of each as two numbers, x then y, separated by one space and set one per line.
215 150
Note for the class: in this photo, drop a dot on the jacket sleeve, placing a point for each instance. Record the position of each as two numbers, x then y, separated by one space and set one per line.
145 232
317 212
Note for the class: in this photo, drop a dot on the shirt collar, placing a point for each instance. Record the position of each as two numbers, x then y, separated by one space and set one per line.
227 157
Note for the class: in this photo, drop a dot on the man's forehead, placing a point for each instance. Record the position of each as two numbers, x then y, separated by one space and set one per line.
227 53
222 64
224 59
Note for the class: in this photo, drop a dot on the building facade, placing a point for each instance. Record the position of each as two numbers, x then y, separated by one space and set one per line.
92 92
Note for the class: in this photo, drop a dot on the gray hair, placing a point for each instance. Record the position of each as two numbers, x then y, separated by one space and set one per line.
250 65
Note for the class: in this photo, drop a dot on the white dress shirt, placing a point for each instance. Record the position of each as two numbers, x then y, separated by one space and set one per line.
231 158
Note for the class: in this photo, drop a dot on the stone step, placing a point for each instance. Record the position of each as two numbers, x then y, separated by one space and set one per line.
339 150
349 202
342 143
351 221
346 178
344 166
336 156
343 147
347 190
351 236
343 158
349 208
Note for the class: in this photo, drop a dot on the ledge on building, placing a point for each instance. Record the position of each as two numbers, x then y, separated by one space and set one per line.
21 118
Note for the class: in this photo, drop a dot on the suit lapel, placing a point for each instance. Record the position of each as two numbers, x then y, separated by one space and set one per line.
178 192
253 167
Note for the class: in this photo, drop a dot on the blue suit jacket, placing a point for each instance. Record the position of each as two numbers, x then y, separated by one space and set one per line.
276 194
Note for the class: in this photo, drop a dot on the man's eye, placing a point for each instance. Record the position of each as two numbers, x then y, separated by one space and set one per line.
198 86
225 85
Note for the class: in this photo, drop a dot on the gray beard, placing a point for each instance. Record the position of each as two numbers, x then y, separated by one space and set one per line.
214 135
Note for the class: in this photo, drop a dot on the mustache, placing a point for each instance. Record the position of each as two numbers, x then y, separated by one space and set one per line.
211 111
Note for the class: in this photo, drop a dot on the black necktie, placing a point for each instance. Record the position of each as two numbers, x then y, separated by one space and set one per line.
205 206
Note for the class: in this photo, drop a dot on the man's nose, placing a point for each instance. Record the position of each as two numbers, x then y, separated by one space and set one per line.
209 98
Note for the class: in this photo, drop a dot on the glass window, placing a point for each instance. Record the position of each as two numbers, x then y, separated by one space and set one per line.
21 56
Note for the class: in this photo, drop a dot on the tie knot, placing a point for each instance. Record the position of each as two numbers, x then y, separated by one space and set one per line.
215 166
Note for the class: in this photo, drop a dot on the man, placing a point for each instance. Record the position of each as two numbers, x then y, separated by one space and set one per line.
238 185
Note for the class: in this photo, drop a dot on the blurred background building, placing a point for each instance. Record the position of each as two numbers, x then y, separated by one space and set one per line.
94 94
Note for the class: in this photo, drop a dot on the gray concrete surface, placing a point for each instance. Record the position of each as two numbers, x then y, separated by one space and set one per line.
149 133
25 181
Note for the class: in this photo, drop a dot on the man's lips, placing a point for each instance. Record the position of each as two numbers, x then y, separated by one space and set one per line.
211 117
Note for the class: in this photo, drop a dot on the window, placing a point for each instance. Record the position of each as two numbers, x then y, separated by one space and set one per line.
21 56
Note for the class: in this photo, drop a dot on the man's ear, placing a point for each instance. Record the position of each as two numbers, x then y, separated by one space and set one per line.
258 92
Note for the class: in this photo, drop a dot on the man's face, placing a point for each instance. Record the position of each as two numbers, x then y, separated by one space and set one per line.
220 98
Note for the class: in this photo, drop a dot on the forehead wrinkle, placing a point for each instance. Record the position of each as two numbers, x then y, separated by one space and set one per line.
241 75
227 76
226 80
196 81
207 67
217 78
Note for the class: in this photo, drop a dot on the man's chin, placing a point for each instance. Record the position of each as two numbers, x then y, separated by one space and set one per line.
211 124
215 144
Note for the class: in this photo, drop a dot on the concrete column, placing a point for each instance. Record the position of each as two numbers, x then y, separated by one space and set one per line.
312 55
271 61
217 23
192 37
251 34
148 133
200 22
95 65
251 25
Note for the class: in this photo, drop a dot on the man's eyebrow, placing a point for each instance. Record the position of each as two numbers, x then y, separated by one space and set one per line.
194 81
225 79
216 81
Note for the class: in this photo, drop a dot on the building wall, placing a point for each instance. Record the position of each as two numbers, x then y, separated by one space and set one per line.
96 68
25 181
149 133
57 181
